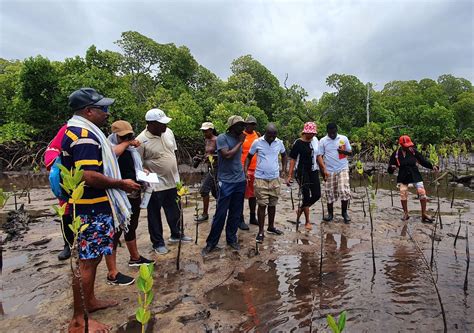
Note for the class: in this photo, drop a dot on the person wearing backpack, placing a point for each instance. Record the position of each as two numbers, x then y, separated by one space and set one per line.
53 151
104 206
406 158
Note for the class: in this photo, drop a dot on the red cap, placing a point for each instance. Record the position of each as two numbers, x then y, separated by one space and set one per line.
405 141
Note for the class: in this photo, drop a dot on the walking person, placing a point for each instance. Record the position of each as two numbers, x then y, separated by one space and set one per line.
232 182
250 136
306 159
335 148
103 206
158 151
405 159
129 160
267 177
209 184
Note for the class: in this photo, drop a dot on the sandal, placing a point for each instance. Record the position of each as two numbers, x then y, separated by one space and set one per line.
308 226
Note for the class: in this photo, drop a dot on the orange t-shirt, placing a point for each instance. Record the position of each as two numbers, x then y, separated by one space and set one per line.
249 139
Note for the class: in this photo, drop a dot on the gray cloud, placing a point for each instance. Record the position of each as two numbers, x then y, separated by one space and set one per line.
378 41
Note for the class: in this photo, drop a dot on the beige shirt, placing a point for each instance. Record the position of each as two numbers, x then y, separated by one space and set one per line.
158 156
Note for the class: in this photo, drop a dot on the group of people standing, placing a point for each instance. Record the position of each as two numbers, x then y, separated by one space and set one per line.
240 162
248 166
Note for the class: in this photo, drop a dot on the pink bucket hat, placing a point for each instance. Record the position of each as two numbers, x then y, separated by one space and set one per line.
309 127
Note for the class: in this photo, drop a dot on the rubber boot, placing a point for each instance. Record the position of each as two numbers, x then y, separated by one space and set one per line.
65 253
425 218
330 216
346 217
405 209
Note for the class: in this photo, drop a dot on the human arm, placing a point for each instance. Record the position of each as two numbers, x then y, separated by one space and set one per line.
322 167
423 161
247 162
284 161
98 180
290 171
229 153
392 164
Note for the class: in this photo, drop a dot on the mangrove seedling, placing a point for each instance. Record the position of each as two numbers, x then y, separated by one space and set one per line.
337 327
182 191
468 259
196 213
371 208
73 185
459 229
145 294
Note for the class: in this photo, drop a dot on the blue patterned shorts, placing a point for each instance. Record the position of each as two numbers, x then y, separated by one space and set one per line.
98 238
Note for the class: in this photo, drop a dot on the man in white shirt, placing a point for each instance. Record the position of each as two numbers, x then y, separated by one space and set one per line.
267 177
335 148
157 150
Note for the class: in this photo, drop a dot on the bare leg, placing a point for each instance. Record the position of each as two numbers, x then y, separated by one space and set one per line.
111 262
261 218
205 205
252 205
405 210
271 217
132 249
88 270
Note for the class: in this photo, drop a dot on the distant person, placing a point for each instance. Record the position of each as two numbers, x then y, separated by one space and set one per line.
104 205
52 152
405 159
267 177
124 144
209 184
305 156
232 182
335 148
158 151
250 136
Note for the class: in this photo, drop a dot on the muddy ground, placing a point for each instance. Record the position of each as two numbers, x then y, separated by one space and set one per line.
279 289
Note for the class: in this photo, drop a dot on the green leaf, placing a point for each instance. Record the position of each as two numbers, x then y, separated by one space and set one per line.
141 284
83 227
148 284
332 324
151 268
59 211
140 301
64 170
139 315
341 323
77 193
146 317
72 228
149 297
144 272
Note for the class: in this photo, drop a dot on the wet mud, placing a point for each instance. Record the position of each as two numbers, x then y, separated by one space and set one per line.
282 288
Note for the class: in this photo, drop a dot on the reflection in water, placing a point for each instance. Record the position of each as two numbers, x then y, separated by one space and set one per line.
279 294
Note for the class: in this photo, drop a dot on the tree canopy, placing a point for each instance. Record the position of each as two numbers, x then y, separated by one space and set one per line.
147 74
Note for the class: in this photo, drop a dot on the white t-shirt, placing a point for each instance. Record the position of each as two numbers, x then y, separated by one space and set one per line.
158 156
334 161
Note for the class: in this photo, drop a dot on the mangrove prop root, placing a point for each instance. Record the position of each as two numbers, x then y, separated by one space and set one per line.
430 272
468 259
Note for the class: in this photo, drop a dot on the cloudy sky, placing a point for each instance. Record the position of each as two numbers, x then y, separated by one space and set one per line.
378 41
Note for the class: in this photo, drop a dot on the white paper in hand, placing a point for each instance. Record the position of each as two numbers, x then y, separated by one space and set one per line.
151 178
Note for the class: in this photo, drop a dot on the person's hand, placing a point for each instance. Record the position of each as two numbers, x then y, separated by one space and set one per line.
129 185
435 168
325 175
146 171
242 137
134 143
342 151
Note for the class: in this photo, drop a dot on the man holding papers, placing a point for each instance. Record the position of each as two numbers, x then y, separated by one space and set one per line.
157 149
